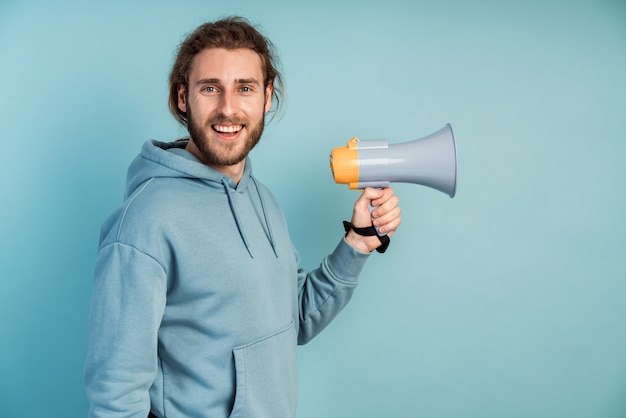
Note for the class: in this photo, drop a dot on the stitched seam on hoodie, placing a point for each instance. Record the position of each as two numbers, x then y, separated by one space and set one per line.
123 216
127 206
122 244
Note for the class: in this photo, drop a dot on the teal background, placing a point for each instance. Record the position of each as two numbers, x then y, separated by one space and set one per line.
507 301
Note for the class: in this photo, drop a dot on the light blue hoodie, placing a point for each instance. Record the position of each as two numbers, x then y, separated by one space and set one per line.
198 301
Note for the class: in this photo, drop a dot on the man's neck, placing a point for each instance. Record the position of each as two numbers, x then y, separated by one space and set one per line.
235 172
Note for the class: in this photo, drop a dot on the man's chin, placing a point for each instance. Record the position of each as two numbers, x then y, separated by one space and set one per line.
224 159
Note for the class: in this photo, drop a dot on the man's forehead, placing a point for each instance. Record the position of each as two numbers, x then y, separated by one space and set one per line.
227 64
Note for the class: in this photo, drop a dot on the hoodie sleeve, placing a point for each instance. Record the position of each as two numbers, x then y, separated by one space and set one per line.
324 292
127 306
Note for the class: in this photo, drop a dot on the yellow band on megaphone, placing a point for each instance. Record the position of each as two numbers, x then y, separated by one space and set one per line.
344 163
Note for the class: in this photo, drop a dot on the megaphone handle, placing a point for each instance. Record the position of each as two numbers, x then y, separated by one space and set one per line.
371 208
379 185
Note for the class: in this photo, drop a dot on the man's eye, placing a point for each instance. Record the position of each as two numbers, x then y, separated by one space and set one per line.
245 89
210 89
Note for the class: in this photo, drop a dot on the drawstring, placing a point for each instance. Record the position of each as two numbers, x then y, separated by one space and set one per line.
238 222
233 209
267 222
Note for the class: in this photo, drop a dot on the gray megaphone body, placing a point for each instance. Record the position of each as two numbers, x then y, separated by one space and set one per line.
430 161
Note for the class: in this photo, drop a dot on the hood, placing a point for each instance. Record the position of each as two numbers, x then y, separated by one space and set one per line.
170 159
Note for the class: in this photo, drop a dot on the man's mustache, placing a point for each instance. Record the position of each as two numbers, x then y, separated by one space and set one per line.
221 119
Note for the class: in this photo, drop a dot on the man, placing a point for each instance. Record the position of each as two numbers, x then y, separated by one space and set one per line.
198 301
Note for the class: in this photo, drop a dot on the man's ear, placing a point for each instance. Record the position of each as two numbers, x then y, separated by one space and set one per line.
268 97
182 98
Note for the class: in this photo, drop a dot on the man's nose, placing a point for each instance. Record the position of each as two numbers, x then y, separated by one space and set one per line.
227 104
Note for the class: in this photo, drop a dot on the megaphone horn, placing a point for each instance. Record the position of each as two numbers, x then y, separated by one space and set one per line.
430 161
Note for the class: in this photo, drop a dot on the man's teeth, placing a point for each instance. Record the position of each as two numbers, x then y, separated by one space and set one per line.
228 128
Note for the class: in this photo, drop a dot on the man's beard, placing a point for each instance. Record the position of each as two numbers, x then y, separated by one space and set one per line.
223 156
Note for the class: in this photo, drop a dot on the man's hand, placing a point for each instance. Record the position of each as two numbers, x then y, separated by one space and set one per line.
386 215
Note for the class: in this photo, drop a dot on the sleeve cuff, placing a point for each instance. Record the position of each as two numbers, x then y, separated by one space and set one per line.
346 263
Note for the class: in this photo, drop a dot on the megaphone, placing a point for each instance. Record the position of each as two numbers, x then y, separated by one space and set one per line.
430 161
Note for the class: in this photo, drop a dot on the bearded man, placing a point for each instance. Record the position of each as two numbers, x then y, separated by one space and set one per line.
199 301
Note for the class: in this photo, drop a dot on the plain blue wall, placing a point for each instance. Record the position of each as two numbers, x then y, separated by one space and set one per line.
506 301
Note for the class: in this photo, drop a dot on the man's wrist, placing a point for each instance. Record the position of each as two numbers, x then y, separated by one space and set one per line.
365 239
361 243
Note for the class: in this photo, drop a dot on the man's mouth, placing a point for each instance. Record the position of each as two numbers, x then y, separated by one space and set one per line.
227 129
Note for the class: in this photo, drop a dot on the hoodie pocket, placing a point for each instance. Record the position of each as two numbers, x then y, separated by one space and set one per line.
267 377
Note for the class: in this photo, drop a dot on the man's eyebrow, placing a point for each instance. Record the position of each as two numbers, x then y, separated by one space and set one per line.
207 81
238 81
248 81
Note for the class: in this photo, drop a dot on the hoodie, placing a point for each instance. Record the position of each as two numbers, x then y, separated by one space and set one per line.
198 300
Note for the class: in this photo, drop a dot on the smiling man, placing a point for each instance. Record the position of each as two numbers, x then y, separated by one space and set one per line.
199 301
225 100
